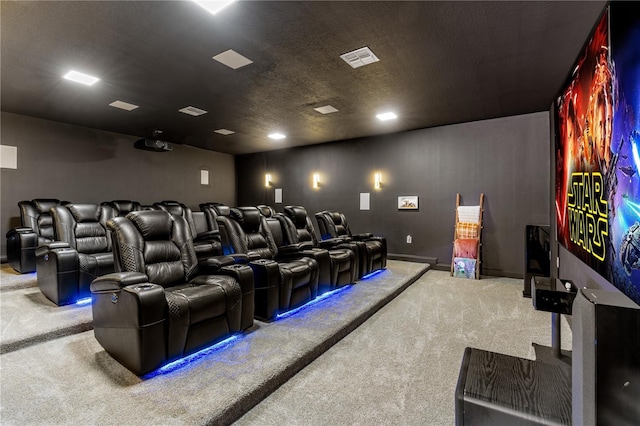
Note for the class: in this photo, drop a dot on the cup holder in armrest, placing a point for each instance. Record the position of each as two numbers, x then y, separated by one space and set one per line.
143 287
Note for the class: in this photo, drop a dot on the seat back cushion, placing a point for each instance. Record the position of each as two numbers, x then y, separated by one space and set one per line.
277 232
300 219
90 233
36 214
157 244
340 223
258 237
210 213
179 209
290 233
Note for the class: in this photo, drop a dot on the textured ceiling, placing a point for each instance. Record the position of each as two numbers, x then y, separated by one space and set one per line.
440 63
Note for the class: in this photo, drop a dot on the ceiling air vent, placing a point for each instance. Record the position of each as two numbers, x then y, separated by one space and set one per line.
224 132
327 109
232 59
360 57
191 110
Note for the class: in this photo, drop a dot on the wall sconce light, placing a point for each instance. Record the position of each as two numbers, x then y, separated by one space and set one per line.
378 181
316 180
267 180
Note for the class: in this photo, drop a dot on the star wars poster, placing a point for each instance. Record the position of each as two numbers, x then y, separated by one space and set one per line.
597 152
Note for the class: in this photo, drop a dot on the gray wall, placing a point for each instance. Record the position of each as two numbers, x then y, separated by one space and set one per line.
78 164
506 158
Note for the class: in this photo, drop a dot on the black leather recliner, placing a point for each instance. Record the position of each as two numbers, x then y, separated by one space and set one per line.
279 286
80 253
207 243
36 229
344 265
162 304
123 207
288 248
333 224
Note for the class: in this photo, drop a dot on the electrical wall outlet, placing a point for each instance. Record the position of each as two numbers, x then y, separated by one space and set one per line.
409 239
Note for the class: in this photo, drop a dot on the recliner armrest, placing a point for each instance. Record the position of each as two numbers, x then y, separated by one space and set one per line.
330 242
292 248
19 230
251 256
240 258
117 280
43 249
364 236
378 238
306 245
207 235
21 249
212 265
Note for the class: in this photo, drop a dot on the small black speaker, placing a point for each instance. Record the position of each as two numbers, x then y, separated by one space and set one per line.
155 145
606 359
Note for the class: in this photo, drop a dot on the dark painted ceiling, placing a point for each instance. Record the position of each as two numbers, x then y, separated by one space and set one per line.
440 63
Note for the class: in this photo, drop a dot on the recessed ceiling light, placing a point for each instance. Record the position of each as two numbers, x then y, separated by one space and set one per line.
277 136
327 109
360 57
386 116
213 6
79 77
224 132
191 110
232 59
123 105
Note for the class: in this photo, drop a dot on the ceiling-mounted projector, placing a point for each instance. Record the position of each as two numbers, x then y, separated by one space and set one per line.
149 144
153 144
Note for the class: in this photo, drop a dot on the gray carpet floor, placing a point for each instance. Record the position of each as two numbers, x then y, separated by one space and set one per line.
72 380
12 280
401 366
28 317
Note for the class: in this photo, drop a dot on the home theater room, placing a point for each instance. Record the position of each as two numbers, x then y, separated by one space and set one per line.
320 212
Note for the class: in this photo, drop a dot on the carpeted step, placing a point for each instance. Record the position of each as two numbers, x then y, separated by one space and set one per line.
84 382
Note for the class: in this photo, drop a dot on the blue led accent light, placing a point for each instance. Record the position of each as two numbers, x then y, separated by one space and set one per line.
85 301
312 302
372 274
182 362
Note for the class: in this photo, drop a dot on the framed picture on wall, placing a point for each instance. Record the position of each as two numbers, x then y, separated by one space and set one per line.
408 202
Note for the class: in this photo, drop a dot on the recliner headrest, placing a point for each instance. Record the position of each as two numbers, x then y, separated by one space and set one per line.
85 212
208 205
266 211
222 210
152 224
172 207
43 205
248 217
298 216
126 205
336 217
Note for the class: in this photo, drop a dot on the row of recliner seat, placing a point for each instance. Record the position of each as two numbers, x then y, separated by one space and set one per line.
38 227
168 298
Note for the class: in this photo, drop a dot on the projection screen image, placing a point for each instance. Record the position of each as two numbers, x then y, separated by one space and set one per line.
597 153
